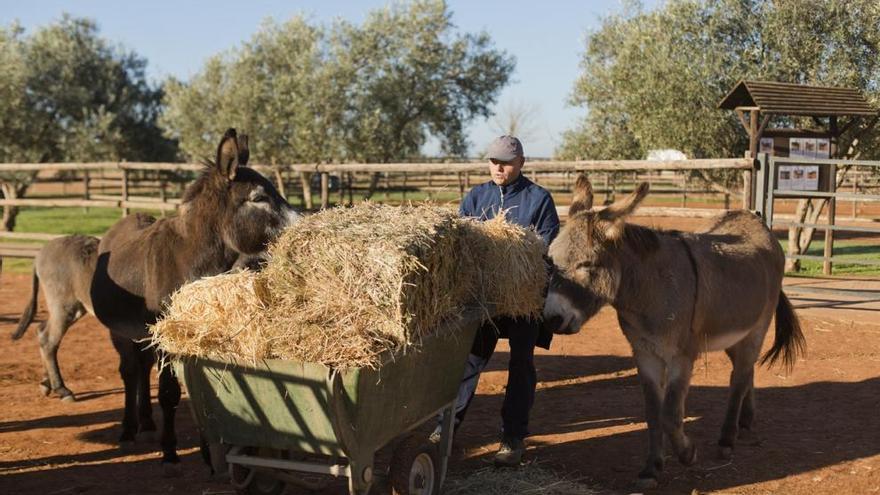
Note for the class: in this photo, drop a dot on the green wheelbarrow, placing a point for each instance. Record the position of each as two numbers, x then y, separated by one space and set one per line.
284 422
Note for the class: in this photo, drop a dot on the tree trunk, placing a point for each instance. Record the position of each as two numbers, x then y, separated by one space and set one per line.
11 191
374 183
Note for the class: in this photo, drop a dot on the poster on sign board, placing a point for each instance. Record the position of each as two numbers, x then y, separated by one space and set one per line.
823 148
809 148
795 148
766 146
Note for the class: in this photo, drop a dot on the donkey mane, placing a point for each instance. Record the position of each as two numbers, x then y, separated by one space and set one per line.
643 240
195 189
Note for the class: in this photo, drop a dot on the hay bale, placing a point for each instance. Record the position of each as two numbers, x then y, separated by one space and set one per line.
529 479
506 263
346 285
223 317
372 269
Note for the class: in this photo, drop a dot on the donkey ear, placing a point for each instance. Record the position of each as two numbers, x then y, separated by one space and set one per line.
617 212
227 154
243 150
582 197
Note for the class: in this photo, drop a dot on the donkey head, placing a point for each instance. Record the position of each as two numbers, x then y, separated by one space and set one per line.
237 202
586 258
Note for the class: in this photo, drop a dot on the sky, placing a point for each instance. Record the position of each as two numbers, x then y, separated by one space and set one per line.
176 37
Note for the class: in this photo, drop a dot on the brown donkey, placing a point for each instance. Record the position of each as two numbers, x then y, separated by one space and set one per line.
676 295
229 211
63 268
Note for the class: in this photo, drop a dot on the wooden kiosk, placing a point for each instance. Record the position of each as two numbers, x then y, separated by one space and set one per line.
757 102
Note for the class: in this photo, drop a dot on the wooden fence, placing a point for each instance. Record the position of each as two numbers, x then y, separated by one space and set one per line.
158 186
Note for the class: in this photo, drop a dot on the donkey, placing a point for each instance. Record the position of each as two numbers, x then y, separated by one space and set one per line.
63 268
676 295
229 211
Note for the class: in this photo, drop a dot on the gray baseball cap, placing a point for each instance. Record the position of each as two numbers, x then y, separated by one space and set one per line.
505 148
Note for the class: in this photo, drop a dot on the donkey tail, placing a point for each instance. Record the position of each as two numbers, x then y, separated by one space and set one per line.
789 342
28 316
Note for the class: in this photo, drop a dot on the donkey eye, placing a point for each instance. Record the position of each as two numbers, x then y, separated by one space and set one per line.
260 198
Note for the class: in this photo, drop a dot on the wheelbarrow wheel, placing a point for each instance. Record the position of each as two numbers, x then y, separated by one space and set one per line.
415 468
247 481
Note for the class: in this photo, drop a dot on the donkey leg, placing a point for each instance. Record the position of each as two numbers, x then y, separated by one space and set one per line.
679 381
169 398
128 370
652 371
747 412
49 336
741 399
146 425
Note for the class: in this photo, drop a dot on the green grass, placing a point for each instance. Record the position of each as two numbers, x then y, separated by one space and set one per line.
92 221
845 250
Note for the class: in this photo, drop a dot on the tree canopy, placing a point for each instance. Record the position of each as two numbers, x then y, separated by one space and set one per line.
653 79
372 92
66 94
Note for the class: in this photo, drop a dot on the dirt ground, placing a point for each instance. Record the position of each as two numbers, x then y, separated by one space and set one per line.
818 428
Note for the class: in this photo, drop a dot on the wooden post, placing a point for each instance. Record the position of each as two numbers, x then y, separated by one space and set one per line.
829 234
351 188
404 186
85 184
748 177
855 190
460 187
341 188
684 194
828 251
124 191
325 190
279 182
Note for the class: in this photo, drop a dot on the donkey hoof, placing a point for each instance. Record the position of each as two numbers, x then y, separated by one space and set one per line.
171 469
68 397
45 390
689 456
725 452
646 483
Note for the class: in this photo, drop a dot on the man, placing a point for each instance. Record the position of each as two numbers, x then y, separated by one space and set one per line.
529 205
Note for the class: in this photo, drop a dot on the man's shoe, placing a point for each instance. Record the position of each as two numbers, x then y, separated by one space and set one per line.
511 452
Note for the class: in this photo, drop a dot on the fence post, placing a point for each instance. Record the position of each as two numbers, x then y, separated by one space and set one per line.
684 193
855 190
747 190
460 187
124 192
829 234
325 190
85 184
404 186
279 180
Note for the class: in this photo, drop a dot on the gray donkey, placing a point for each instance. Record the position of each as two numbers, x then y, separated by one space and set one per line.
676 295
63 268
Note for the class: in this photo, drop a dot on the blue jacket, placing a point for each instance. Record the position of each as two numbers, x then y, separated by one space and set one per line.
526 203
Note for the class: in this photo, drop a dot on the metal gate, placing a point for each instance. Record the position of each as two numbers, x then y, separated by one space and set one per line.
768 191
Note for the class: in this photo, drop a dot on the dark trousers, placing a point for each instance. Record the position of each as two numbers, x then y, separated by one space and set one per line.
522 334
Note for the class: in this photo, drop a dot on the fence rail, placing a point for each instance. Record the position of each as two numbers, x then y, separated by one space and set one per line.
150 186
